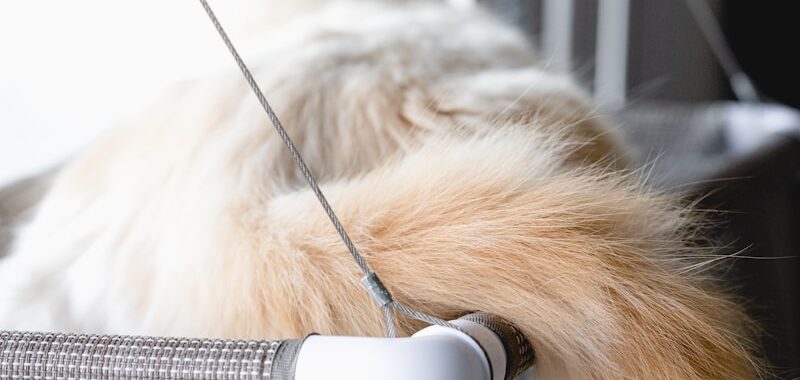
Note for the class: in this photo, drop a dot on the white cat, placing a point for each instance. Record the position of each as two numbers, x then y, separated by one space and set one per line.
469 177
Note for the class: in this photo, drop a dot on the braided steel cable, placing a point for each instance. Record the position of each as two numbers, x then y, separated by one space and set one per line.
370 280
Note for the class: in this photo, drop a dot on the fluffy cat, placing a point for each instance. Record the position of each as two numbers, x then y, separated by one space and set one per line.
470 178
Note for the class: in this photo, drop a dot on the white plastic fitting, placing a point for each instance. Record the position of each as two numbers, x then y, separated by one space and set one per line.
434 353
484 347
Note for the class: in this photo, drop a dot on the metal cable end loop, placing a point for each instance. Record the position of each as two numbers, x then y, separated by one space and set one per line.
387 313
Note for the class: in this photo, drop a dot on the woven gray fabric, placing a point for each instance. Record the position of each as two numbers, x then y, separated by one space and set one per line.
519 352
63 356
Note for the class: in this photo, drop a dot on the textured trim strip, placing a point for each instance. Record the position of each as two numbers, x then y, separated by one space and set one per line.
39 356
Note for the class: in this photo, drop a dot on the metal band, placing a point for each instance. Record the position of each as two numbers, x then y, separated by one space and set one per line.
376 289
284 363
519 352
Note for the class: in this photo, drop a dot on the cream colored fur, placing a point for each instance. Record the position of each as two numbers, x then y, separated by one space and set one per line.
470 178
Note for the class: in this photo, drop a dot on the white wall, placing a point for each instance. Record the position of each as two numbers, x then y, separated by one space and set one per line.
69 69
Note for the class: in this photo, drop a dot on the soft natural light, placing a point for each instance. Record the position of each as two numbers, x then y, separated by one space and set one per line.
70 69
